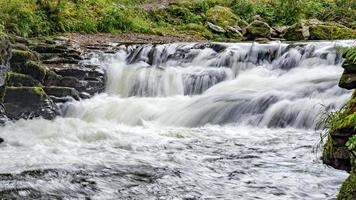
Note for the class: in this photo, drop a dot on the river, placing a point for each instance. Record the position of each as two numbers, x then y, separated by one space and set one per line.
186 121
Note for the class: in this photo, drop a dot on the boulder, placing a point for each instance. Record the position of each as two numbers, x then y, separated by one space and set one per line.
331 31
215 28
29 102
296 32
316 30
258 29
348 81
221 16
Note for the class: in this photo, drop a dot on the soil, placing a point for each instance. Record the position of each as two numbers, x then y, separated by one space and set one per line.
129 38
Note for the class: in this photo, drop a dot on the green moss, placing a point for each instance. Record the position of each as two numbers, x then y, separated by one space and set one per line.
221 16
18 80
258 29
39 91
31 68
348 188
331 31
20 56
296 33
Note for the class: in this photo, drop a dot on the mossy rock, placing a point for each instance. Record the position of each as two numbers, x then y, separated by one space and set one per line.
296 32
348 188
21 57
221 16
258 29
33 69
331 31
19 80
233 33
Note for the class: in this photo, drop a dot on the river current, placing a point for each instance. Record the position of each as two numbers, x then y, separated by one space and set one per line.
186 121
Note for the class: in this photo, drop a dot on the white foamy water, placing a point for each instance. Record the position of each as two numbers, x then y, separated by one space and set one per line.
186 121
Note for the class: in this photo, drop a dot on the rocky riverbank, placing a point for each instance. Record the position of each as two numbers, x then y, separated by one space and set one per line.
37 76
339 150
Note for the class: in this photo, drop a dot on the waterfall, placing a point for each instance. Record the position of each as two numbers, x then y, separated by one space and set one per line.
186 121
192 84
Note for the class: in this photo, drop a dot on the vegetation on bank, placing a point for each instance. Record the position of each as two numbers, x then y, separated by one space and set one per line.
340 148
45 17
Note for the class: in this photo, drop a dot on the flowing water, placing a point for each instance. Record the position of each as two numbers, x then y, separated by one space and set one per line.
186 121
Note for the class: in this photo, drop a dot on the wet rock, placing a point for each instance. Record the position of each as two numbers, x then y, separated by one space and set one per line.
348 81
59 60
29 102
5 56
258 29
215 28
62 92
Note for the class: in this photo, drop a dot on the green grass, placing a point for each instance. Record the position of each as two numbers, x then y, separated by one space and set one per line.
47 17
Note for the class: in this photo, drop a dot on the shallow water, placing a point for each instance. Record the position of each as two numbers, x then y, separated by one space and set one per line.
184 121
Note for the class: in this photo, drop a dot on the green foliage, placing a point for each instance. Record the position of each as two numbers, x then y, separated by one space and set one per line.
351 144
349 54
46 17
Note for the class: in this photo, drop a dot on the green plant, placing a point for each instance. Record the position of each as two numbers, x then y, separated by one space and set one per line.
351 145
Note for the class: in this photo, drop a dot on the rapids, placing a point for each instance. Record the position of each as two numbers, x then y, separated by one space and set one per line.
186 121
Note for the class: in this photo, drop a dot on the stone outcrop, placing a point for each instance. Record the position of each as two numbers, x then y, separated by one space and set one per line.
316 30
5 55
44 74
342 128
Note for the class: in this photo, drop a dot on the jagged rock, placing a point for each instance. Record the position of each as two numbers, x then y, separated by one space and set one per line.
221 16
215 28
19 80
29 102
258 29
